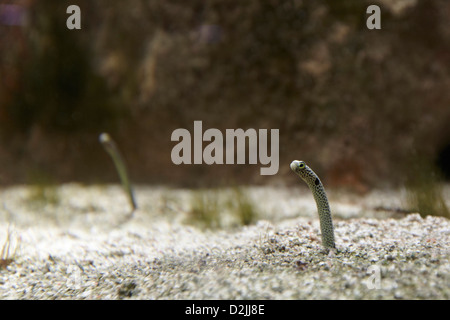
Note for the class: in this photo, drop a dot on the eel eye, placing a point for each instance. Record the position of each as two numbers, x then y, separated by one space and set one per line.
301 165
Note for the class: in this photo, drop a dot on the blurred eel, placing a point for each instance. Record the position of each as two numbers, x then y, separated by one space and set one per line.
111 148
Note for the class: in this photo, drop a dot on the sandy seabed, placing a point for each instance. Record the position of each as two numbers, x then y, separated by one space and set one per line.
79 242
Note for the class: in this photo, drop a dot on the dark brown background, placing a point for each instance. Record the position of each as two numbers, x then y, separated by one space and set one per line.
365 108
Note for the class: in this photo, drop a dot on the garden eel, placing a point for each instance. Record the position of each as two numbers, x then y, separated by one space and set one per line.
111 148
323 208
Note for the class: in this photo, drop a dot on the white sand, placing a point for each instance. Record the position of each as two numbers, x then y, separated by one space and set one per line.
83 247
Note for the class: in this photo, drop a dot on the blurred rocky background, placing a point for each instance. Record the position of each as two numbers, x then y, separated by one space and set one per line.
366 108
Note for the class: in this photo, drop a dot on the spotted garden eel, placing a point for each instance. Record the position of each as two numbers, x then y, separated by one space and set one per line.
111 148
323 208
